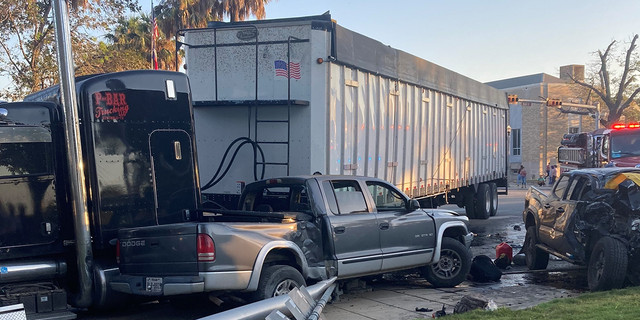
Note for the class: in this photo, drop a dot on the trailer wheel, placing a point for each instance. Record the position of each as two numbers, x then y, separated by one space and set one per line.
469 203
276 281
453 267
494 198
536 258
483 201
608 265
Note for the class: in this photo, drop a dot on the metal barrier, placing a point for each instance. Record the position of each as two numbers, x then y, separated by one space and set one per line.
299 303
13 312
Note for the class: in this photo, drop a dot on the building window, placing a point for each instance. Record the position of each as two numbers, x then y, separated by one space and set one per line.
516 142
574 129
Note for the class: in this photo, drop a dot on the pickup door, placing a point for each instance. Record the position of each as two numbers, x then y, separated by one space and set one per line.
407 238
375 234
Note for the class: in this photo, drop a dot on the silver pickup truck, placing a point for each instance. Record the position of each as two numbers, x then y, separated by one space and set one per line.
293 230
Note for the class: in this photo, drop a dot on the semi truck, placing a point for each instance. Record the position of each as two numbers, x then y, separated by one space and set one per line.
137 137
615 147
306 95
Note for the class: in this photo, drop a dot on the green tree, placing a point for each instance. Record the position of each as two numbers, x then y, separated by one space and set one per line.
613 79
129 46
174 15
27 47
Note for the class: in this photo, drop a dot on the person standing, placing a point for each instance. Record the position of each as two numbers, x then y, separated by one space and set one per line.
522 177
549 171
554 173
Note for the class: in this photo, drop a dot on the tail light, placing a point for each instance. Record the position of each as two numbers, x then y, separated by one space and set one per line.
206 248
118 252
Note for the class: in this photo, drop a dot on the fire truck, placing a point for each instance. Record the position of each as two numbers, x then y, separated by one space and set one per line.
615 147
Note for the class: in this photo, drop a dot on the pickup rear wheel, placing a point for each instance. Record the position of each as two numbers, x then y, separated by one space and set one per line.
276 281
608 265
537 259
453 267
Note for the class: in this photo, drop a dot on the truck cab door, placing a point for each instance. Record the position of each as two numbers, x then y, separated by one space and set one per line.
173 173
550 210
407 238
354 229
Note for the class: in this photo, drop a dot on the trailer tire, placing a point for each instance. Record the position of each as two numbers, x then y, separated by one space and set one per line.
608 265
277 280
483 201
453 267
494 198
469 203
536 258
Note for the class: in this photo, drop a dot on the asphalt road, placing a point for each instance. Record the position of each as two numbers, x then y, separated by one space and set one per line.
499 228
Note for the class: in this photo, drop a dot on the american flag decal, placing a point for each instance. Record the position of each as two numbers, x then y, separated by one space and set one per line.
281 69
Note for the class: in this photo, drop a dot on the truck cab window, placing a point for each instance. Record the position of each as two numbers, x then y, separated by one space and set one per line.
349 197
560 186
20 159
385 198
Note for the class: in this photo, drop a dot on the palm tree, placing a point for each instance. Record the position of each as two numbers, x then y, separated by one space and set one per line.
174 15
134 33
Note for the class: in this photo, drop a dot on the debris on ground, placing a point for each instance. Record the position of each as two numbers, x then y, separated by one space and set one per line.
440 313
471 302
504 254
517 228
519 259
484 270
423 309
502 262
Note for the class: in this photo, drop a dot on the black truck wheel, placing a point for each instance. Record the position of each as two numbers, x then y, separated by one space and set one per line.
607 265
276 281
453 267
483 201
536 258
494 198
470 204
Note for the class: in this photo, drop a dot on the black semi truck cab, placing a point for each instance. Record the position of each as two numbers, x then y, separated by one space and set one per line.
137 137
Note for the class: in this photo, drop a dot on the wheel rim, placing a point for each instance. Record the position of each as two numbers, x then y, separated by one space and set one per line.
599 266
284 287
449 265
487 203
495 200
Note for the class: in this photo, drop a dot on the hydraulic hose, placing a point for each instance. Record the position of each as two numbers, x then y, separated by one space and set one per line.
256 148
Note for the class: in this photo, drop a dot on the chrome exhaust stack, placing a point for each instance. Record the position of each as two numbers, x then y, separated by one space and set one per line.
84 252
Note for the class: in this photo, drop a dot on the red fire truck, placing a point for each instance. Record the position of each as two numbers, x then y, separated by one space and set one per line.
615 147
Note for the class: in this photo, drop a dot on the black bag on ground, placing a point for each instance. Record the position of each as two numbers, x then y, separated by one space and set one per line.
483 269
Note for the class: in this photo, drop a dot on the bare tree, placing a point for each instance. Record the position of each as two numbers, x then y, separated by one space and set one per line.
614 79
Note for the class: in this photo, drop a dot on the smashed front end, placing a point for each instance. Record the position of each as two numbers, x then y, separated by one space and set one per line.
612 211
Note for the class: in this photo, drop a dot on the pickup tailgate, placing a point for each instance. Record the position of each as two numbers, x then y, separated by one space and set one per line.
167 250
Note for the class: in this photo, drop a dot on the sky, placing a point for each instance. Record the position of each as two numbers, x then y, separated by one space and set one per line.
484 40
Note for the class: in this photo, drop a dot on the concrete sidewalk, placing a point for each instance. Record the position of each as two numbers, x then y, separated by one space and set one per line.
399 299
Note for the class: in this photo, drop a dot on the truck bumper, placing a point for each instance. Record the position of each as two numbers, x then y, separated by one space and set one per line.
467 240
176 285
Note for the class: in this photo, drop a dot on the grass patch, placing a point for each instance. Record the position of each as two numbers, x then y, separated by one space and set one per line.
615 304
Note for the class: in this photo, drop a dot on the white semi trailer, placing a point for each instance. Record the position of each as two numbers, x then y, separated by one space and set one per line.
305 95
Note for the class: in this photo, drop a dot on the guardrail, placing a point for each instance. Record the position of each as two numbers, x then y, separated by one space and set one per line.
301 304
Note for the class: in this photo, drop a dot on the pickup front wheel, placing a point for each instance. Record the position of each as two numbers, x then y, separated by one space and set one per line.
536 258
608 265
453 267
276 281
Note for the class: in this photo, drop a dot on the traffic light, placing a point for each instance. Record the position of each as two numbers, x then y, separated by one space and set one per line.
513 98
554 102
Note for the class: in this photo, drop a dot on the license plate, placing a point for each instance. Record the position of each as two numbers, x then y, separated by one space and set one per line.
154 284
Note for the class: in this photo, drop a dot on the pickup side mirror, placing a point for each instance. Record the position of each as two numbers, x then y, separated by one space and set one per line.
413 205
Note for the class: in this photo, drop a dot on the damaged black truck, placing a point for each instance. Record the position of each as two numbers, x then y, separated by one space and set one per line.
136 132
591 217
